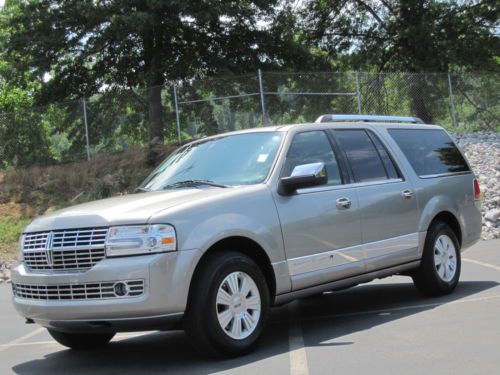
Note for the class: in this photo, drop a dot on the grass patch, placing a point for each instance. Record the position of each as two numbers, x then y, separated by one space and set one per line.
10 230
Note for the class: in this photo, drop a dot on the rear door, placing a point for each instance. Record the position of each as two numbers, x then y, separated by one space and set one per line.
387 204
322 237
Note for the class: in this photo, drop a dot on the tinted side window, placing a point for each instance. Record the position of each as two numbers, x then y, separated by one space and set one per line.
429 151
390 168
362 156
313 147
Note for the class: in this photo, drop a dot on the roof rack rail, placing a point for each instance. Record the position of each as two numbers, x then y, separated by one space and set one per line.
368 118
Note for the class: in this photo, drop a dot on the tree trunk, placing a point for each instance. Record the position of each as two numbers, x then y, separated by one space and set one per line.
420 99
155 109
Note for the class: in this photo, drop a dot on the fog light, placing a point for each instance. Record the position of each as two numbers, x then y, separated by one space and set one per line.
121 289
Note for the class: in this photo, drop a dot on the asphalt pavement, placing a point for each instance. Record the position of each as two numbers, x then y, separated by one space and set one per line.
384 327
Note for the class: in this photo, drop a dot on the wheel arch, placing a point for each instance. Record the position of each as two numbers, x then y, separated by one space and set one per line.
451 220
246 246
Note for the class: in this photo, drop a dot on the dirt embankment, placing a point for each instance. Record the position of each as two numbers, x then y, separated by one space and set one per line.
29 192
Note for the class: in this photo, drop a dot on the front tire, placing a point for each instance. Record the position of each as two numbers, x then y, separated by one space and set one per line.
228 305
81 341
440 267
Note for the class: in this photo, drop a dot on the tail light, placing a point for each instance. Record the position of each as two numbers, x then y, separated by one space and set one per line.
477 190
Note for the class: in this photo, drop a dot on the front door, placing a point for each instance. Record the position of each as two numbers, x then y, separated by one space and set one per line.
321 225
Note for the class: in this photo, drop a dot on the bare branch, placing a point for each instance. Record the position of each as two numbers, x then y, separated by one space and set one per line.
386 4
371 11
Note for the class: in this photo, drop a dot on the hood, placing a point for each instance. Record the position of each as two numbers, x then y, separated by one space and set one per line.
122 210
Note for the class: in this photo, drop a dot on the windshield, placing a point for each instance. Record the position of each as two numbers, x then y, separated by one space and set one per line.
240 159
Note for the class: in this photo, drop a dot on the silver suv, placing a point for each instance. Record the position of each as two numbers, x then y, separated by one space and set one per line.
230 225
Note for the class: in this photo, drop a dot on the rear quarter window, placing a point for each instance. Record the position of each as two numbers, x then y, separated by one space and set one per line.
429 151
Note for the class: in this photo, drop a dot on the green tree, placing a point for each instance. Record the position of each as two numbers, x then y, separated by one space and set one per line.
23 137
409 36
87 46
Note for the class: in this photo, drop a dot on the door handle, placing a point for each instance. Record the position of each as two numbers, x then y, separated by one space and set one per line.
407 194
343 203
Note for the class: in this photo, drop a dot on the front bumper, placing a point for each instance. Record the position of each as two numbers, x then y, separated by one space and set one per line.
166 285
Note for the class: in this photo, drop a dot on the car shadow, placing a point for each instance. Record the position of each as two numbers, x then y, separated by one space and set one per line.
324 318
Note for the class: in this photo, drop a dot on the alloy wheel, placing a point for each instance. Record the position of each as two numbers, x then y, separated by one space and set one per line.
238 305
445 258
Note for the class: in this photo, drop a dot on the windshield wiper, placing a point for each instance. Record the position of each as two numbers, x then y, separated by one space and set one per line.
193 183
142 190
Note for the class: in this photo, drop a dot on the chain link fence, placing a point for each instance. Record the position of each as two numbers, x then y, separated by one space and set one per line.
118 118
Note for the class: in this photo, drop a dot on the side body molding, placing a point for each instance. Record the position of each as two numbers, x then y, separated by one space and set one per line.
337 264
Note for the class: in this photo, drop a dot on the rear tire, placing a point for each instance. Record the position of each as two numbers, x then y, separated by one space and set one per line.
440 267
81 341
228 305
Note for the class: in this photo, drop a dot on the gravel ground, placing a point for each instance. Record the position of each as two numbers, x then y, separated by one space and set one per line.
483 152
5 272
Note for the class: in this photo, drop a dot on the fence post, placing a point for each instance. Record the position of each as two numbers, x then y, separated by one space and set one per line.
452 103
177 114
84 104
358 93
262 102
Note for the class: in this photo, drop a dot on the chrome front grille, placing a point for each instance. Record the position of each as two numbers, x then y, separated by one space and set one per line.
79 238
35 241
82 259
64 250
78 292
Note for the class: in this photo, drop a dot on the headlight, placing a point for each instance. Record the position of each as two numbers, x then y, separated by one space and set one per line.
140 239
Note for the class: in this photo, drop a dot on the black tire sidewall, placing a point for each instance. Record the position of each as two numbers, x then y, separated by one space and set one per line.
211 280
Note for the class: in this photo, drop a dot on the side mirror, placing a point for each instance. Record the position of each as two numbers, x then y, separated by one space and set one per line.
303 176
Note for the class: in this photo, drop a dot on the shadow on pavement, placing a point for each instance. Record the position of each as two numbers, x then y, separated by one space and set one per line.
328 315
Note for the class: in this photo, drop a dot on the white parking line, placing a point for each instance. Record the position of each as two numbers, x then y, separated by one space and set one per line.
20 339
29 343
297 353
129 335
492 266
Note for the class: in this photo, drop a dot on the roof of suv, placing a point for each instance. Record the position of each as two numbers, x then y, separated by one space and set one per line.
354 121
351 124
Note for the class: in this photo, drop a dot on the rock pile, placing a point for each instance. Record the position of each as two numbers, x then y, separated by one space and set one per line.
4 272
483 152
